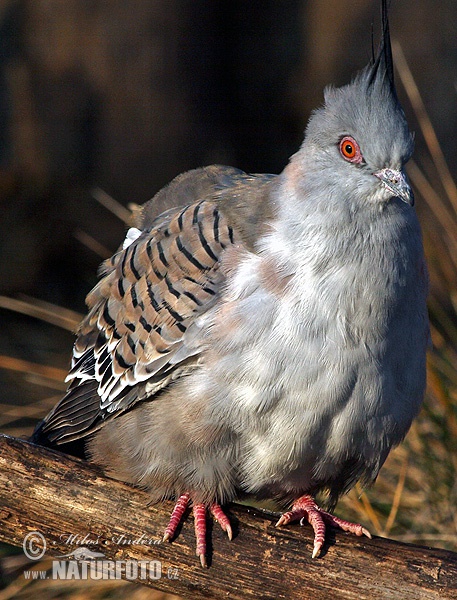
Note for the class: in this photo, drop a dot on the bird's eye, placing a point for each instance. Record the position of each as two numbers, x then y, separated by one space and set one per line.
350 150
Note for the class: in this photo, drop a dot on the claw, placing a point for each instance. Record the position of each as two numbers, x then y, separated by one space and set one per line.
316 550
288 517
305 508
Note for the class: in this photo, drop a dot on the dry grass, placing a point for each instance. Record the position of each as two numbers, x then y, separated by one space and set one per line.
415 495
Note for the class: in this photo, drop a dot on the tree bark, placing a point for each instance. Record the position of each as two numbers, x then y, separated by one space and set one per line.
74 506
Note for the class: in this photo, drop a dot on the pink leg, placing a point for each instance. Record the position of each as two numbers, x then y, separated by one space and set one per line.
200 531
176 516
306 508
199 511
222 519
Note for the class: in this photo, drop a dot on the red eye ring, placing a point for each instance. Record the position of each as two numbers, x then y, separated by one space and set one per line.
350 150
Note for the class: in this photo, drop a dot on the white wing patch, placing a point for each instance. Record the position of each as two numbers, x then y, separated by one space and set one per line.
132 234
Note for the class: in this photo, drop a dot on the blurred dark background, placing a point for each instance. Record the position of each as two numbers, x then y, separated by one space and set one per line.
124 95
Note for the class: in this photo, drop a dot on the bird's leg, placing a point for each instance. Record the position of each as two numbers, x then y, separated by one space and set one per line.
222 519
200 527
306 508
176 517
200 532
199 511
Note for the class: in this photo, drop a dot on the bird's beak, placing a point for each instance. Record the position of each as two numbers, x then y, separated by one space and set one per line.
397 183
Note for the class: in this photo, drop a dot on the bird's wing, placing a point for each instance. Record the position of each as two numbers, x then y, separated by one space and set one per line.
144 318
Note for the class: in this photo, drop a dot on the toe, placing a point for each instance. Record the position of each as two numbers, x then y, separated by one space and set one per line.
354 528
200 532
222 519
306 509
200 515
317 523
296 514
176 517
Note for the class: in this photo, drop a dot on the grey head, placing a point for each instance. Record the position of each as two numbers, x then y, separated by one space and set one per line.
360 138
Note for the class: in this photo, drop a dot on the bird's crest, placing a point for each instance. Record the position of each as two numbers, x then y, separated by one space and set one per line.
381 68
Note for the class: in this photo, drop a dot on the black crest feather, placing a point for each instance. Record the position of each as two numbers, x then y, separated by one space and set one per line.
382 66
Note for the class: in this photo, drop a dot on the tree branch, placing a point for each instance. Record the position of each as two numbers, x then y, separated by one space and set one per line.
61 496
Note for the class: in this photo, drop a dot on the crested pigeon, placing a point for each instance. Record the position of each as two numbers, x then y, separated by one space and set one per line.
262 335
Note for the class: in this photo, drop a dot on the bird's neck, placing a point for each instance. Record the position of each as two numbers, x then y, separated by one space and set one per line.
315 226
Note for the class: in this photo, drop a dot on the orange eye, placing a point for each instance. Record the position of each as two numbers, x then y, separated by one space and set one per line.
350 150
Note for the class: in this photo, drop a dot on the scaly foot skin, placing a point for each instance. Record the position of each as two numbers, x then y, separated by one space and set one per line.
199 511
306 508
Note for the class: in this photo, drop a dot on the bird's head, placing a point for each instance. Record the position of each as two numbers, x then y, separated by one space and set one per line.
359 140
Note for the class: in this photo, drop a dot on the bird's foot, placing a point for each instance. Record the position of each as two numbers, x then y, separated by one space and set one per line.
200 511
306 508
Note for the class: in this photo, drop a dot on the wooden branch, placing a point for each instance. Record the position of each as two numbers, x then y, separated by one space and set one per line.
61 496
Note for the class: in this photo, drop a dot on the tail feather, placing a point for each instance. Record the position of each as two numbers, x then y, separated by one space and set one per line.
77 415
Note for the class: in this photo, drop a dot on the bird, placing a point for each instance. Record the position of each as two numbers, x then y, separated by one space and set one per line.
262 335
